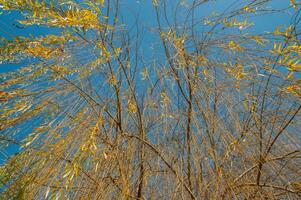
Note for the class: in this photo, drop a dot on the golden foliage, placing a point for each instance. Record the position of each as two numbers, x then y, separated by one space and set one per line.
210 112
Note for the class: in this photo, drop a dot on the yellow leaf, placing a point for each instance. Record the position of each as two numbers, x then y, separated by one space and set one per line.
132 108
248 9
155 3
112 80
205 72
290 75
234 46
258 39
102 3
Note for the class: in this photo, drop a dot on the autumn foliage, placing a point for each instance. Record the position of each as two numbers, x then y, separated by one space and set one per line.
211 112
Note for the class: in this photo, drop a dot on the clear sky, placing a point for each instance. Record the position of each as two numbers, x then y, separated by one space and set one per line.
140 12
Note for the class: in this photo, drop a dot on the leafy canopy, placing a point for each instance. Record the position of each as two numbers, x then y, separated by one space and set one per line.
212 111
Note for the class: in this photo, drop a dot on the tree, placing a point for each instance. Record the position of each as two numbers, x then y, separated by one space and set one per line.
216 115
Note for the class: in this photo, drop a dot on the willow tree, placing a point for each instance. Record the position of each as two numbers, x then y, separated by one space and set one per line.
214 115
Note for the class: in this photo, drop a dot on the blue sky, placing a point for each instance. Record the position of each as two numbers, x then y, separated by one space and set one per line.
140 12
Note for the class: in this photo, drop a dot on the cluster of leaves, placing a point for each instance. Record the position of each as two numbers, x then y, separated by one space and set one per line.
216 115
47 13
